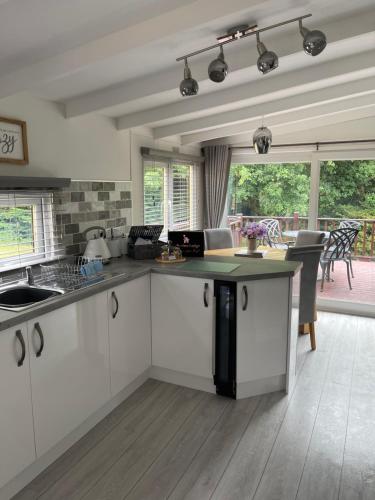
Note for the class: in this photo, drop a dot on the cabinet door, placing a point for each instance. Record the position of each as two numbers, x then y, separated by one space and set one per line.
70 377
129 331
262 328
17 449
182 324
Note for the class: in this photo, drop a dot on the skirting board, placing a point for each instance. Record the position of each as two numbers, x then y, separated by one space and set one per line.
26 476
261 386
184 379
244 389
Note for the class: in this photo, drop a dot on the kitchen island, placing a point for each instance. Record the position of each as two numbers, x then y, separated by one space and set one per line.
89 349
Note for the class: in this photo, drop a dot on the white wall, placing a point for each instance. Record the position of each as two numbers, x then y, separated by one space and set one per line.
143 137
85 148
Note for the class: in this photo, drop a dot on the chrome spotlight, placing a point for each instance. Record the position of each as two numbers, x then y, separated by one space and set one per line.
262 140
314 41
218 68
188 86
267 60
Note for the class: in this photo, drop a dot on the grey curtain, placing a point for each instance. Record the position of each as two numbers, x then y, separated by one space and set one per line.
216 174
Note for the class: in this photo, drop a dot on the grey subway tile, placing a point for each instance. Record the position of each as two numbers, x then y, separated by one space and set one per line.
97 186
71 228
79 217
84 206
103 195
109 186
128 203
77 196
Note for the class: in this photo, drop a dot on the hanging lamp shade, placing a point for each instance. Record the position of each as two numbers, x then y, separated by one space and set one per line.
188 86
218 68
314 41
267 60
262 140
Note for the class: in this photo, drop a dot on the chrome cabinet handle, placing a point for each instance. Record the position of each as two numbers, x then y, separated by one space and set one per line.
114 298
205 301
244 295
41 337
23 347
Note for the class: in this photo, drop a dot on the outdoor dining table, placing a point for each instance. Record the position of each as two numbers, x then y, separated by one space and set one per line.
293 234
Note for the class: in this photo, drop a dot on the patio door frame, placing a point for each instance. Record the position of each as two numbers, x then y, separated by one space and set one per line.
315 158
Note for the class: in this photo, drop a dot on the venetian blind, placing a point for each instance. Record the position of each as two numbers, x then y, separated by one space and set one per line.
28 229
171 194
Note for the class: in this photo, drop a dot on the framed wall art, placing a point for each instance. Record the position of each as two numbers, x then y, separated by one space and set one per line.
13 142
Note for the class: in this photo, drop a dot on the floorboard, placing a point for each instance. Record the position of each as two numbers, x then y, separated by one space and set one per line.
171 442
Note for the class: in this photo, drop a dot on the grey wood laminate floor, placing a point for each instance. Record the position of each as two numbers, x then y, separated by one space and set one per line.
171 442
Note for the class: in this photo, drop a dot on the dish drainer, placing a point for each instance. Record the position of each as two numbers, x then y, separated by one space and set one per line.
68 275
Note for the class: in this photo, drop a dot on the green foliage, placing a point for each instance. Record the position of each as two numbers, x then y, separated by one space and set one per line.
16 224
272 189
347 189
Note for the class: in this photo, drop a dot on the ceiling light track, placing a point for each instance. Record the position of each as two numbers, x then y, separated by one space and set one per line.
314 42
244 35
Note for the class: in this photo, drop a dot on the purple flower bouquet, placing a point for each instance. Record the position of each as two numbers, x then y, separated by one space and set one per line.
254 230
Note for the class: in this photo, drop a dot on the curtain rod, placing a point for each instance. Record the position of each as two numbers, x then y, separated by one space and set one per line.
316 144
159 154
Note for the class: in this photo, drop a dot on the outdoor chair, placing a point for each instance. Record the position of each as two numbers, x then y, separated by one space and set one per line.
218 238
356 225
309 255
338 248
274 238
305 237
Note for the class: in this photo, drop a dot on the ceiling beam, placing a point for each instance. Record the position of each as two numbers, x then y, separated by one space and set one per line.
316 76
286 127
339 96
138 35
168 81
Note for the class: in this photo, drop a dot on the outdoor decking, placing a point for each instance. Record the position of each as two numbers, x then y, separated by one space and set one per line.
363 283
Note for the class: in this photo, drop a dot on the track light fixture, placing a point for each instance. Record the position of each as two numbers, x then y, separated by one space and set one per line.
188 86
262 140
314 41
267 60
218 68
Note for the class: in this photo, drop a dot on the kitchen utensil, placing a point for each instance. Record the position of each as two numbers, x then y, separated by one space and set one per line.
97 248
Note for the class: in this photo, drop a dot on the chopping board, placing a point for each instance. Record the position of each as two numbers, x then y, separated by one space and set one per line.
209 267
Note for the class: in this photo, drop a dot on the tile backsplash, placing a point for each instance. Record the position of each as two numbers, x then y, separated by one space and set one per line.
91 203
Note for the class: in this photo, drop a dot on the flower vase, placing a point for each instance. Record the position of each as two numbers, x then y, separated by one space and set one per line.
252 244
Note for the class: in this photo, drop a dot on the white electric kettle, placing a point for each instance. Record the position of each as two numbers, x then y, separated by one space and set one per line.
97 247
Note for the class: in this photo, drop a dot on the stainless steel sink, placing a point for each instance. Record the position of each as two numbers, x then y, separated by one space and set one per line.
19 297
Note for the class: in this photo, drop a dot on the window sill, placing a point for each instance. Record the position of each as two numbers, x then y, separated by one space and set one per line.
31 262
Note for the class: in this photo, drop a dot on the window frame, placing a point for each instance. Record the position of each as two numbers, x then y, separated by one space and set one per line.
168 189
43 229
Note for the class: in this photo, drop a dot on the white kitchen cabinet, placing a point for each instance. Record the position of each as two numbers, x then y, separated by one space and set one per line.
182 324
262 328
129 331
17 449
70 372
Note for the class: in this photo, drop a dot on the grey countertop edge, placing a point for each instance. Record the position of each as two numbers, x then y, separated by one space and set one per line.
145 267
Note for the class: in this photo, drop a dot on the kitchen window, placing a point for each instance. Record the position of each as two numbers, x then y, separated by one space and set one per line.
171 195
27 235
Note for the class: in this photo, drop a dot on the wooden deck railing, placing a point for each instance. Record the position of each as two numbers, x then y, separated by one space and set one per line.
364 245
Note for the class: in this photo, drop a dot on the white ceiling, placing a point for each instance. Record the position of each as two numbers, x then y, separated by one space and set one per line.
117 57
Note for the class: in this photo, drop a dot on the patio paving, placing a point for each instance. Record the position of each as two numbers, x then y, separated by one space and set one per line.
363 283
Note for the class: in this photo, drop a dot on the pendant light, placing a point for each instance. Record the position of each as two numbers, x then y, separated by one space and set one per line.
267 60
314 41
188 86
218 68
262 140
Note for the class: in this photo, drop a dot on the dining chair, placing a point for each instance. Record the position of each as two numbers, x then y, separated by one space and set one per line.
274 237
338 248
218 238
356 225
309 255
305 237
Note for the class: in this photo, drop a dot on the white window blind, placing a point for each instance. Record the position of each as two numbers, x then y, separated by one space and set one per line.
171 194
27 232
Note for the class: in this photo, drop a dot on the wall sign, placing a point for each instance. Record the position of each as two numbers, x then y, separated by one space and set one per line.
13 142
